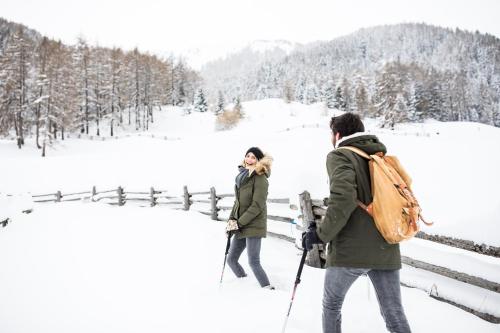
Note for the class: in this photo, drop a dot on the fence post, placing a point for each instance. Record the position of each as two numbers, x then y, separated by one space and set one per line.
213 204
58 196
121 196
187 202
313 258
152 195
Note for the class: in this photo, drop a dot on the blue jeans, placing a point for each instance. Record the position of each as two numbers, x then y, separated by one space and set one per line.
252 244
338 280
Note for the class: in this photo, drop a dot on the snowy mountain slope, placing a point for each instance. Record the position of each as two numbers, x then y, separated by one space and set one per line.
439 73
86 267
210 54
452 165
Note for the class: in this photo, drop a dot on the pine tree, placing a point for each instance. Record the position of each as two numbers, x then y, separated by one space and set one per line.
312 94
496 114
238 107
346 94
200 103
390 83
361 102
220 103
300 91
339 100
288 92
397 114
436 99
413 115
329 95
180 81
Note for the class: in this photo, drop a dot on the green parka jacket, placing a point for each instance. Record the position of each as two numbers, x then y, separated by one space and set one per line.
250 208
353 240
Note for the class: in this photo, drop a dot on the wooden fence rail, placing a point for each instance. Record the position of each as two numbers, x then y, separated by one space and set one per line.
120 196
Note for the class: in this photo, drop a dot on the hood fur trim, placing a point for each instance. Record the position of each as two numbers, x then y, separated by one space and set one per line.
263 166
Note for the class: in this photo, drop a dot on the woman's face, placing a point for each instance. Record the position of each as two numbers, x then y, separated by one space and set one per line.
250 159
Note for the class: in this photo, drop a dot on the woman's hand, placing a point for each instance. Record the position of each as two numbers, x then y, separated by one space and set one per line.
232 226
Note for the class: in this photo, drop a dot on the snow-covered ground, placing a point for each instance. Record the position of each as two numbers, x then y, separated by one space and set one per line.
453 165
90 267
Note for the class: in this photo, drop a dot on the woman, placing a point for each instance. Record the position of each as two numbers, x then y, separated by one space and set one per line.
248 218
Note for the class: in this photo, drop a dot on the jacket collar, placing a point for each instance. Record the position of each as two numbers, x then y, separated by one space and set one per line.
355 135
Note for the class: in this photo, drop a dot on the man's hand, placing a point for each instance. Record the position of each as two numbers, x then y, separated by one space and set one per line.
310 237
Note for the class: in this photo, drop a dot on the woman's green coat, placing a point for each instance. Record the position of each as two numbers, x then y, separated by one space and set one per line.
250 208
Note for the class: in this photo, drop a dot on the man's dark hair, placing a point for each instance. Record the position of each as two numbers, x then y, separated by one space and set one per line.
347 124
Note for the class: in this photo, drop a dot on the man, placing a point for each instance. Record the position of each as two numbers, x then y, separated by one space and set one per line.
355 246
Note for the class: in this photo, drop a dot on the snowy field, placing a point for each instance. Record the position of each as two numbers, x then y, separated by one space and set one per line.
453 165
89 267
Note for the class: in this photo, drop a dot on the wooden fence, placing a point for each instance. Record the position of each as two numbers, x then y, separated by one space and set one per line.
114 197
156 197
312 210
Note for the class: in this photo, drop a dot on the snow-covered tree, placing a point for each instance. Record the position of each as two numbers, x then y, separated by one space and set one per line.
339 102
288 92
14 71
312 94
300 91
200 102
219 108
397 114
238 107
329 95
361 100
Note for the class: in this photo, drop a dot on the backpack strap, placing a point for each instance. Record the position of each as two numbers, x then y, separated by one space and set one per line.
357 151
366 208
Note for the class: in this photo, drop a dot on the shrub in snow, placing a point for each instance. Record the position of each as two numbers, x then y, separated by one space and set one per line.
228 119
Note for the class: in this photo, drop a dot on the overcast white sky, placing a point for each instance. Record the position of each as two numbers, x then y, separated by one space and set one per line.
162 26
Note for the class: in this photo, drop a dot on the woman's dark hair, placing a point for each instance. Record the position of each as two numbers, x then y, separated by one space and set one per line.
347 124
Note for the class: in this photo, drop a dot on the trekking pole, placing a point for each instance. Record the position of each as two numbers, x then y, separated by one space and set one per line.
229 235
297 281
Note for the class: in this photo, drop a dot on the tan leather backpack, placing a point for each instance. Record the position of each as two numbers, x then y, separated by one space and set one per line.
394 208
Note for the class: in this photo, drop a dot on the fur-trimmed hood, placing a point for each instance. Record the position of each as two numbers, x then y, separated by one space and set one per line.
263 166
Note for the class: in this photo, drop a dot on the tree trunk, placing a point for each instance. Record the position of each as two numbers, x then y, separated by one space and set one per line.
37 121
16 127
97 119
